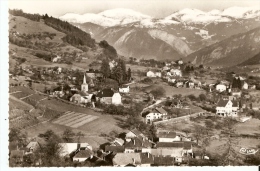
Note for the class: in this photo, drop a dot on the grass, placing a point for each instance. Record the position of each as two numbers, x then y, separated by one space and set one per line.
18 104
250 127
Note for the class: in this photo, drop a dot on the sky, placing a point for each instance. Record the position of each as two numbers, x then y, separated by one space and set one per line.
154 8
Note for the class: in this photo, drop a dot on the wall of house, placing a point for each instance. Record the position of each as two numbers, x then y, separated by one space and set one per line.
116 99
177 138
79 159
107 100
129 150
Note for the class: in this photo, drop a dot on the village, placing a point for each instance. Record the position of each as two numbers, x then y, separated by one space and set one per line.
171 114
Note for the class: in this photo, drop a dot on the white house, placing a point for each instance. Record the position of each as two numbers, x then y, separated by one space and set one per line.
56 59
168 136
227 108
69 148
59 70
124 159
150 74
176 72
221 87
157 113
124 89
108 96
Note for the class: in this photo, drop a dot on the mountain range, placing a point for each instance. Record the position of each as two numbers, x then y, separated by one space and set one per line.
176 36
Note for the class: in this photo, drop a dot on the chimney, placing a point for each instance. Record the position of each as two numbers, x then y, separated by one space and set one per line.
134 141
148 155
78 146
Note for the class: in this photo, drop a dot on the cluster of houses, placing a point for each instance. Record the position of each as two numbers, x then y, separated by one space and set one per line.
83 96
135 149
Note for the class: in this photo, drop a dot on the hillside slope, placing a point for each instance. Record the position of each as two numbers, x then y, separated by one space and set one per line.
229 52
40 39
255 60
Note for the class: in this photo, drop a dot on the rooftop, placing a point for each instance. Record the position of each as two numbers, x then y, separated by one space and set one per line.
118 149
166 134
127 158
84 154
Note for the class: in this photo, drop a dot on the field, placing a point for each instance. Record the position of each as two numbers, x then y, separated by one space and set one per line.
170 90
75 120
250 127
15 103
96 129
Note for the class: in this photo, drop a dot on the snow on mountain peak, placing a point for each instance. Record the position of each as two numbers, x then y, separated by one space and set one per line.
240 12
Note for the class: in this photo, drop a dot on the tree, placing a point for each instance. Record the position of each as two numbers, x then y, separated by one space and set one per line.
158 92
129 74
202 97
117 74
79 135
15 135
105 69
68 135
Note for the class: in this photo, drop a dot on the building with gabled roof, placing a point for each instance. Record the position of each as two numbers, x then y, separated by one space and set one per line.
146 159
136 144
134 133
109 96
227 108
83 155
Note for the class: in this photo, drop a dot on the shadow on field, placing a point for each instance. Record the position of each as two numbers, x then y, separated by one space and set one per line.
121 123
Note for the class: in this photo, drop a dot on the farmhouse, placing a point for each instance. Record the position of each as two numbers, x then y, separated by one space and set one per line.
93 73
227 108
114 149
158 74
124 89
118 142
82 97
108 96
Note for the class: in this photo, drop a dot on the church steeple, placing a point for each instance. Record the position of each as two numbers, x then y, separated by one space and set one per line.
84 79
84 86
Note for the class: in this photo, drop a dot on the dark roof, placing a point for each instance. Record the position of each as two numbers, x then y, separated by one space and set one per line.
83 154
222 103
92 71
105 93
166 134
176 144
138 142
146 158
118 149
160 110
124 86
161 160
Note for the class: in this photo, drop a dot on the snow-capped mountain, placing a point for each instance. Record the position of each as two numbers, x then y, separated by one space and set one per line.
107 18
177 35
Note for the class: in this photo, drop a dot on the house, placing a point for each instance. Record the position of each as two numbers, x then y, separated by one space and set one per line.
146 159
84 85
180 62
82 97
179 83
157 113
252 87
171 80
109 96
114 149
136 144
227 108
91 83
112 64
124 89
56 59
176 72
32 147
150 74
166 68
59 69
83 155
134 133
221 87
168 136
123 159
70 149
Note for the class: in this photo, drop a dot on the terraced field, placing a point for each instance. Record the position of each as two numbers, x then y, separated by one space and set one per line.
75 120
